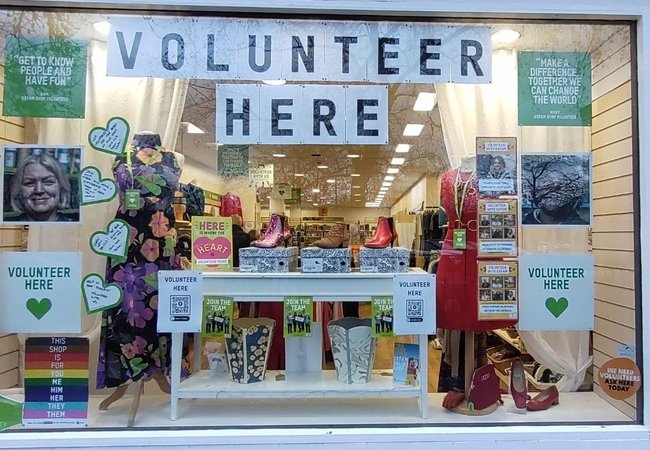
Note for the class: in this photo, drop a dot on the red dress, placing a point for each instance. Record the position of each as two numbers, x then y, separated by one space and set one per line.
457 274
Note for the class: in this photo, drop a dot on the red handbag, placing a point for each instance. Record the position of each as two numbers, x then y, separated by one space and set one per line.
230 205
484 390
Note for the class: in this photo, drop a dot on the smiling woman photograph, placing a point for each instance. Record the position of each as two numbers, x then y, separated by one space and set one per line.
40 190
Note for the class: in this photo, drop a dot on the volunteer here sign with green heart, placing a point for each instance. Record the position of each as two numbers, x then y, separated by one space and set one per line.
40 292
557 291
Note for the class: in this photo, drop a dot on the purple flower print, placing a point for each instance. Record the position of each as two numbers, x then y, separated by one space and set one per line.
123 177
129 300
139 344
131 277
139 315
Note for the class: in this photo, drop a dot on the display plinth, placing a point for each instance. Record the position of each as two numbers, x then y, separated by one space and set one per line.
384 260
268 260
325 260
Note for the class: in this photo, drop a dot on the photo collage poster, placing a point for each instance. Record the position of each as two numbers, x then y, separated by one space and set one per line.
497 293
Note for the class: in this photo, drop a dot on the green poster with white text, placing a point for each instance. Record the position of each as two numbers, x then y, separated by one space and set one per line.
554 89
45 78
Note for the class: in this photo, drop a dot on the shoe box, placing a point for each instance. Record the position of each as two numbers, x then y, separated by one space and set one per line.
325 260
384 260
268 260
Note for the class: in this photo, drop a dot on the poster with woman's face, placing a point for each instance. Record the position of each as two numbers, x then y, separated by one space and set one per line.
41 183
556 189
496 166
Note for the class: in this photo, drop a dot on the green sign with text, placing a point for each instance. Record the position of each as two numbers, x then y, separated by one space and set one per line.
45 78
554 89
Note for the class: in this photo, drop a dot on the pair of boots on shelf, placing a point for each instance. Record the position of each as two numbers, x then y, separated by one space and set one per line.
277 232
337 237
385 234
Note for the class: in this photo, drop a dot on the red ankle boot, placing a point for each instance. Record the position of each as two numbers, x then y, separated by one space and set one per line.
382 237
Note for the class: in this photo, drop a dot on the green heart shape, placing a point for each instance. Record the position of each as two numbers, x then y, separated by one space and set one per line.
38 308
557 307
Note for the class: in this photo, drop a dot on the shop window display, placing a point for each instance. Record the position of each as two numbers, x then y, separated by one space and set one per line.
339 186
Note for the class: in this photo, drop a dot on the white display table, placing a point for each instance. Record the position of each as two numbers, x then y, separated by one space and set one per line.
257 287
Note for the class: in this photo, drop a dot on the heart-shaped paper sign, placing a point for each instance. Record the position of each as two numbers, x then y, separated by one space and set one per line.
38 308
94 189
99 295
557 306
212 252
115 242
111 139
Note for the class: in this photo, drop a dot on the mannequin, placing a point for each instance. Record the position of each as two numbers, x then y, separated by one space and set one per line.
457 279
130 347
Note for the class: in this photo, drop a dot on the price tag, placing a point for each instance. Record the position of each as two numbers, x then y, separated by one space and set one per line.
460 239
132 199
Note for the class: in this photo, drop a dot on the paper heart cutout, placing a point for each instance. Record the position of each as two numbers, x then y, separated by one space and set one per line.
94 189
113 243
205 248
557 306
99 295
112 139
38 308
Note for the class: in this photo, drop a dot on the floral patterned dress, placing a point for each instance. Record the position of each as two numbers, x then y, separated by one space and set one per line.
130 346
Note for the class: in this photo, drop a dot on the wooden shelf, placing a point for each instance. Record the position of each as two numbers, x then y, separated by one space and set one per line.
517 344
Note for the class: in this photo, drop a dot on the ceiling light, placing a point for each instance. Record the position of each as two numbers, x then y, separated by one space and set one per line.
393 170
387 183
383 189
102 27
355 175
353 155
298 174
315 191
380 195
402 148
413 129
505 36
426 101
389 178
372 205
357 195
274 82
321 166
190 128
356 187
279 155
397 161
315 204
330 181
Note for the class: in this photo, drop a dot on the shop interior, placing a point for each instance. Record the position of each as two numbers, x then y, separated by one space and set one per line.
432 130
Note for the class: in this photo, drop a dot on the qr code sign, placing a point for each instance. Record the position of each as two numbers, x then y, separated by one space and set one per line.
180 305
415 310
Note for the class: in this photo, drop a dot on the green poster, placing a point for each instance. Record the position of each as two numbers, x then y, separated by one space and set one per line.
298 316
211 243
554 89
382 316
217 316
296 196
11 412
232 161
45 78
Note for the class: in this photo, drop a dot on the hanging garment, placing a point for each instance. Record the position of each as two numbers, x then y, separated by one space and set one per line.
130 346
230 205
457 274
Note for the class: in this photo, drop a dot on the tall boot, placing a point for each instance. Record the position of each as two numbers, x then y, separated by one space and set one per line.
382 237
336 237
273 235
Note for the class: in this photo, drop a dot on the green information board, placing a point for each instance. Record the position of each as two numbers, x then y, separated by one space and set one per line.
232 161
554 89
45 78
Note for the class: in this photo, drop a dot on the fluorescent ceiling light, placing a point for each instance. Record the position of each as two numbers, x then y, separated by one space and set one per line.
356 187
102 27
330 181
321 166
413 129
279 155
353 155
383 189
357 195
298 174
393 170
380 195
505 36
190 128
397 161
355 175
389 178
315 204
315 191
402 148
387 183
274 82
372 205
426 101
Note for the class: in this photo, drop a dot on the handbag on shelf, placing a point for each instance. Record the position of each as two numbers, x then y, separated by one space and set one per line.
484 390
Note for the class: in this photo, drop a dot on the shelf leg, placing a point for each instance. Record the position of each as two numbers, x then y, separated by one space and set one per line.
423 345
177 355
198 352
